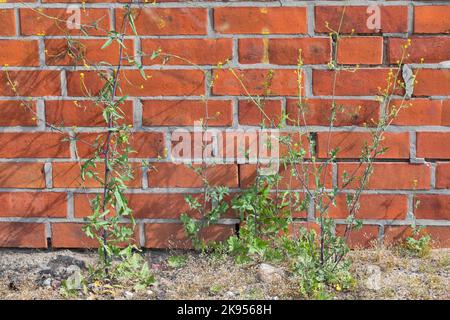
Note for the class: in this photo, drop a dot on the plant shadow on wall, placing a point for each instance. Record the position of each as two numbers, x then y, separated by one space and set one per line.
283 216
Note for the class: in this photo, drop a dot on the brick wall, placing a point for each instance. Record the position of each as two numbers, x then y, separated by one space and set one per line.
40 192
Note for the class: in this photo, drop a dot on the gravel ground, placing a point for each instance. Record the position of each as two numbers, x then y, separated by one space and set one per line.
380 274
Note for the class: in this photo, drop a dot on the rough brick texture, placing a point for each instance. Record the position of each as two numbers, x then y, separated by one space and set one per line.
42 195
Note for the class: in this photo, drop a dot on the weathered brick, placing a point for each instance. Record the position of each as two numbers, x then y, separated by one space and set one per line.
82 113
164 175
342 83
432 206
268 114
166 21
360 50
256 81
366 237
443 175
17 113
22 235
144 205
260 20
171 235
52 21
285 51
372 206
34 145
82 52
7 23
292 177
318 112
434 145
187 51
186 112
351 144
432 82
143 144
421 49
68 175
28 204
349 19
417 112
388 175
22 175
432 19
30 83
23 53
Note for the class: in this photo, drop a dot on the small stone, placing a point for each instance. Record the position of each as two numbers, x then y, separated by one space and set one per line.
269 274
150 292
230 293
47 282
373 281
128 294
75 279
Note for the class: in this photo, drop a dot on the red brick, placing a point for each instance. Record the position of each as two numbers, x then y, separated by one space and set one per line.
27 204
268 114
296 226
17 113
68 175
84 113
372 206
393 19
85 83
432 206
71 235
397 234
351 144
443 175
166 21
434 145
85 52
38 22
366 237
446 112
285 51
164 82
144 205
318 112
143 144
389 176
282 82
430 49
418 112
30 83
22 175
432 19
289 180
360 50
189 51
19 53
22 235
186 112
432 82
370 82
7 23
294 142
34 145
260 20
164 175
171 235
